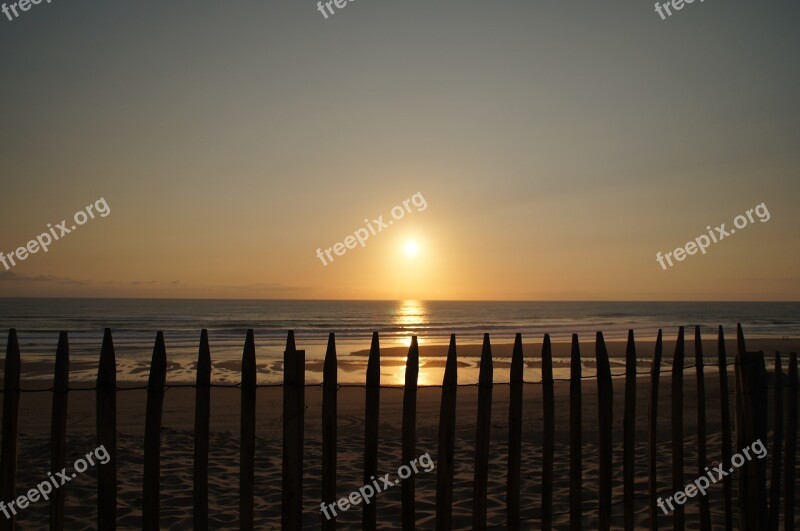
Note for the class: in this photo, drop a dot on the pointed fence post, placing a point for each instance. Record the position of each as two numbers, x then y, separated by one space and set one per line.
106 401
58 428
629 433
575 438
408 490
605 403
513 483
705 509
548 436
152 436
678 520
330 389
652 432
446 445
727 485
202 412
753 412
247 440
8 459
369 515
482 437
293 427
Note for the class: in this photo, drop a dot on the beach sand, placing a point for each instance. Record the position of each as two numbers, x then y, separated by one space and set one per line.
177 448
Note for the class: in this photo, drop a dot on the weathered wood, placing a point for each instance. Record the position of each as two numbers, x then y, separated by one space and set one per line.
293 428
106 402
330 389
371 424
482 437
247 439
652 431
152 436
58 428
725 411
446 443
777 448
513 482
629 433
605 405
8 458
409 436
705 509
678 518
790 464
548 435
202 411
575 438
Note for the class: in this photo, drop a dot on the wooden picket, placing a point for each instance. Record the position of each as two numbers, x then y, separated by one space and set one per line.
152 436
575 438
58 428
548 433
446 441
482 437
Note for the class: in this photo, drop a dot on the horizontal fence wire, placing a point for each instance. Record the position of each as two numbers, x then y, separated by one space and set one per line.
357 385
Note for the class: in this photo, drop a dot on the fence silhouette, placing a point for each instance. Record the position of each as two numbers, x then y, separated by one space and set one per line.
757 507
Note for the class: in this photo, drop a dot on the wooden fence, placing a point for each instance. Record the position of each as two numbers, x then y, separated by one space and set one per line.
756 508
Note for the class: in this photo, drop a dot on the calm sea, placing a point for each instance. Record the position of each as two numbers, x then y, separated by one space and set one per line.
135 322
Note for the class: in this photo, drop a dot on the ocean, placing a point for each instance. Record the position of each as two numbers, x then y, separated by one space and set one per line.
134 323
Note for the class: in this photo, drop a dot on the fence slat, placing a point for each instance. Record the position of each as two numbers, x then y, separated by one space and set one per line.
482 437
247 440
330 388
293 428
58 428
777 448
548 436
447 438
106 401
752 375
629 432
575 438
152 435
678 517
652 432
202 411
705 509
605 405
371 423
513 484
725 411
8 459
410 434
791 446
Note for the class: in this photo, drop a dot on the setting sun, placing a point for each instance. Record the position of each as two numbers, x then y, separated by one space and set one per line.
411 248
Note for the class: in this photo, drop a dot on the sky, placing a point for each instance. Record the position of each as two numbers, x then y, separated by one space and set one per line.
558 146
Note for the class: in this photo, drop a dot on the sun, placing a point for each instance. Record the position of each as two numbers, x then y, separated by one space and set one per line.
411 248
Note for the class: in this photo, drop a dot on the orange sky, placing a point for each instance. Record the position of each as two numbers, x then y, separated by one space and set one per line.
558 150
